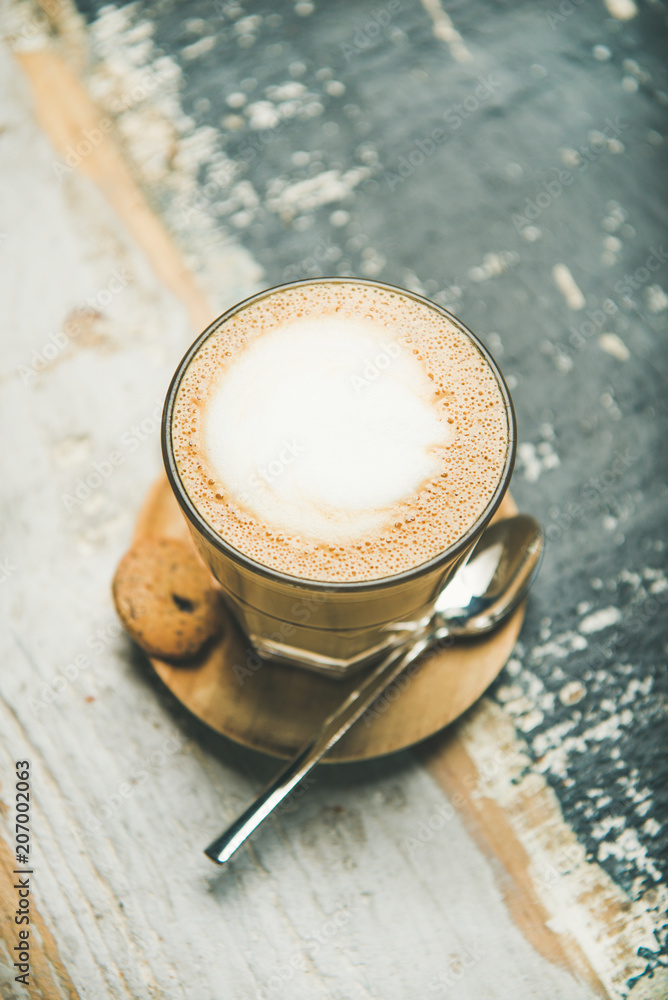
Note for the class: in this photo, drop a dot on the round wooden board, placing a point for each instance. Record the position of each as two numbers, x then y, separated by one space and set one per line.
275 708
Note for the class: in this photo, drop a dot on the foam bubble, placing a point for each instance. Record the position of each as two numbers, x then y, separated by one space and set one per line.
338 431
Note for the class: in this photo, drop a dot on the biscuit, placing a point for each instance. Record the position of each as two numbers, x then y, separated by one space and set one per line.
166 598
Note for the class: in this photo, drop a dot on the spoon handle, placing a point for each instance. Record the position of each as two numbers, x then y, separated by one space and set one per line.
331 730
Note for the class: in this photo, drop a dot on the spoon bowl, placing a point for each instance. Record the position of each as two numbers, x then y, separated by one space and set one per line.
494 579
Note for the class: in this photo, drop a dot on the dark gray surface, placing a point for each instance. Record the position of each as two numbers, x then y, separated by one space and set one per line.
604 503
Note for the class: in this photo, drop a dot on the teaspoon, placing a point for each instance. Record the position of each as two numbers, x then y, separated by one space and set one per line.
481 594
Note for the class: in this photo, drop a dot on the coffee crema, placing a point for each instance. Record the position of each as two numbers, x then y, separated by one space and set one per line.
338 431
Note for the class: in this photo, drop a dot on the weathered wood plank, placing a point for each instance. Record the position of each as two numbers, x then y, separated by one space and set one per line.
567 906
339 897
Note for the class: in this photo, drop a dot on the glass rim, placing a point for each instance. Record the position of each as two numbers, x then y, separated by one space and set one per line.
198 521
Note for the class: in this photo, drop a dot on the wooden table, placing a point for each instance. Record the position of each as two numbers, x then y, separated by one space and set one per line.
164 161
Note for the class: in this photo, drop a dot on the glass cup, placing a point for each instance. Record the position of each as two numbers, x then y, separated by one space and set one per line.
332 627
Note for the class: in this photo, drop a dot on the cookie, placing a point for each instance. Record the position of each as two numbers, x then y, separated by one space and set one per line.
166 598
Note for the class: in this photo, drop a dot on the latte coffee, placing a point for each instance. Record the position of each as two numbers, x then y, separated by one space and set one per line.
339 431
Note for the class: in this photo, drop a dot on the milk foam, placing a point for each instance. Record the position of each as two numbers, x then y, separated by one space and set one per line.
339 431
332 424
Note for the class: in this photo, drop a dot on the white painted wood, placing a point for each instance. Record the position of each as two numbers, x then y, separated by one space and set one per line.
330 901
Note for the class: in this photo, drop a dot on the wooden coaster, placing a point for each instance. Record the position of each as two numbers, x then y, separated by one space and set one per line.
275 708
